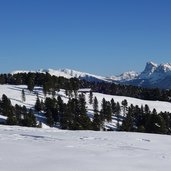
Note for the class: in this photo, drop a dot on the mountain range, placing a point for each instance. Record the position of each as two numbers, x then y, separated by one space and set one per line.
153 76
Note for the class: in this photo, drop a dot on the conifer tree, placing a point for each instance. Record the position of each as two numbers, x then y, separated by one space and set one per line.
83 119
96 119
113 106
108 112
127 124
50 120
91 97
124 104
30 84
117 114
23 96
38 106
103 110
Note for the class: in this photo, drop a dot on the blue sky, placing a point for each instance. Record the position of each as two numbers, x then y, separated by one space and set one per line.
104 37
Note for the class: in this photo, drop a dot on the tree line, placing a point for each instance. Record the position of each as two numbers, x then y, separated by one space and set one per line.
73 115
51 84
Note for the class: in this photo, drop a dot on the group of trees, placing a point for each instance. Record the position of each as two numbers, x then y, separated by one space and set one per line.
16 115
51 84
73 114
141 119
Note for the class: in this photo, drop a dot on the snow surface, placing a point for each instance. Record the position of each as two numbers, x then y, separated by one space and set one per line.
33 149
14 93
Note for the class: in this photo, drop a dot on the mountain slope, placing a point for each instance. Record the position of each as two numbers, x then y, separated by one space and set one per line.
154 75
68 73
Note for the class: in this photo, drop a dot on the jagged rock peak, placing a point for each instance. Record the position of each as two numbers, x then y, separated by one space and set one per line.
151 66
148 71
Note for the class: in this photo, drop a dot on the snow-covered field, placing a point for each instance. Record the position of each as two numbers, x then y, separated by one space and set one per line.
33 149
14 93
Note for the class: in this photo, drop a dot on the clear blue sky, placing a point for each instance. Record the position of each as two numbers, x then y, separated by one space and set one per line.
104 37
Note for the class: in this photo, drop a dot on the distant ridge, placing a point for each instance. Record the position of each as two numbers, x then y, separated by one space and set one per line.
153 76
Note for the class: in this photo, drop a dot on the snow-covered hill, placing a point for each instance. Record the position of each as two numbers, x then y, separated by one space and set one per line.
126 76
33 149
68 73
14 93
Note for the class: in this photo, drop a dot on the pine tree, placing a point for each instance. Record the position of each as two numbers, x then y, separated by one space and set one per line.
113 106
45 89
124 104
108 112
23 96
103 110
50 120
127 124
96 119
96 122
30 84
83 119
117 114
91 97
38 106
95 105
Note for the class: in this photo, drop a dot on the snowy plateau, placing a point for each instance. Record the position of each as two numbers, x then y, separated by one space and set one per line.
42 149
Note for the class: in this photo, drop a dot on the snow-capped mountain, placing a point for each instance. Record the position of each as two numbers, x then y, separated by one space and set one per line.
126 76
153 76
148 71
68 73
155 72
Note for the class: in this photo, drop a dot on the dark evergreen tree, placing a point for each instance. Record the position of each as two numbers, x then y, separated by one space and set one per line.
29 119
124 104
91 97
108 112
127 124
23 96
38 105
11 120
113 106
117 114
83 118
103 110
50 120
30 84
